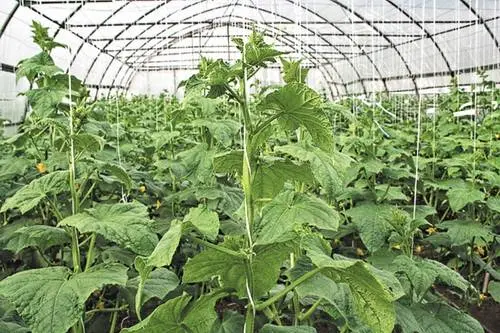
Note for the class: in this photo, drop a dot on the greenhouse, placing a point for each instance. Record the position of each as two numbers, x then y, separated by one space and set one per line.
250 166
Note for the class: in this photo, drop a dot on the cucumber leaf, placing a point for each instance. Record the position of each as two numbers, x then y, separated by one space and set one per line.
51 300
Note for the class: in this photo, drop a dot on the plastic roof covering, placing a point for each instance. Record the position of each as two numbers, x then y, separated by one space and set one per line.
352 46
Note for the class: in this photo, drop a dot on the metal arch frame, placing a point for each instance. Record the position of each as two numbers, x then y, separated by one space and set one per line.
483 22
427 35
127 26
468 25
300 5
282 17
284 40
194 15
69 17
329 79
358 15
467 5
243 25
9 18
116 11
84 40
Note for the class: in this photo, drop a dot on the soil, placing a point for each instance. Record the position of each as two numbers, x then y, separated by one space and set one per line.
488 314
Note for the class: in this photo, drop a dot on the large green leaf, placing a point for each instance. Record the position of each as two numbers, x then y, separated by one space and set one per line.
166 247
30 195
126 224
445 274
442 318
293 71
204 220
493 203
257 52
460 197
288 212
38 236
86 142
337 298
494 290
231 322
270 177
421 277
51 300
222 130
464 232
198 163
373 302
40 64
231 162
13 166
373 224
295 104
231 269
406 320
160 282
165 318
328 168
172 316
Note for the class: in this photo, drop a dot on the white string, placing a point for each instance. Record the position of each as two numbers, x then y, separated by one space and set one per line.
419 124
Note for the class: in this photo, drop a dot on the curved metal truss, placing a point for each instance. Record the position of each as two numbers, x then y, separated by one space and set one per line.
356 46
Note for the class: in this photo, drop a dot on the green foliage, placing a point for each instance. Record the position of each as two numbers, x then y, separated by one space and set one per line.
296 105
205 221
37 236
29 196
172 317
262 196
372 221
51 300
436 317
159 283
293 72
288 212
230 268
126 224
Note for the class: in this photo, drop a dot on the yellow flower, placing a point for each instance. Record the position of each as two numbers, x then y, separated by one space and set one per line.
397 246
360 252
158 204
479 250
419 249
431 230
497 136
99 305
142 188
41 167
483 297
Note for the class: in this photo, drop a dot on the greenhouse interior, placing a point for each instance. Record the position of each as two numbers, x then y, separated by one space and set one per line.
250 166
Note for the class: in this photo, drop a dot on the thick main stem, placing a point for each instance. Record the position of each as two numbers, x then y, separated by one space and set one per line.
246 180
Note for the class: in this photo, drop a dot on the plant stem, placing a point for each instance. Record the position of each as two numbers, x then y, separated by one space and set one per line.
90 253
310 311
217 247
114 318
287 289
117 309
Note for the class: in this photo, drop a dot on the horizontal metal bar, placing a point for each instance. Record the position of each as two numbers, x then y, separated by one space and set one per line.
7 68
107 39
200 50
213 21
417 76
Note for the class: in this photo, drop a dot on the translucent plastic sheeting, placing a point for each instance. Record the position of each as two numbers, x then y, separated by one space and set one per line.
352 46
